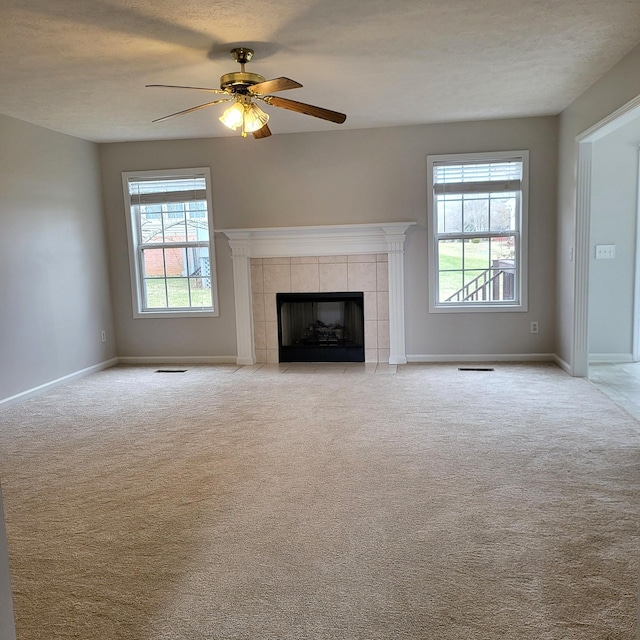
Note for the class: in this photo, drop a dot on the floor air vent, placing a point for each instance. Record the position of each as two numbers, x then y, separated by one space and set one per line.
170 370
475 369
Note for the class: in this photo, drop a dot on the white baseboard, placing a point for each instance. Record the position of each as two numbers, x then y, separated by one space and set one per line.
47 386
483 357
177 360
156 360
562 364
610 358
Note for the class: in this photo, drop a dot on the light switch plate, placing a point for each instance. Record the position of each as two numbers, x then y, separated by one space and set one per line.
605 251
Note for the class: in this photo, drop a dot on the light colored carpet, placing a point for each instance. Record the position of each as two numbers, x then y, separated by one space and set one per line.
235 504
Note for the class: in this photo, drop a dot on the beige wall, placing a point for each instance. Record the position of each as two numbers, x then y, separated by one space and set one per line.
341 177
57 281
54 289
166 338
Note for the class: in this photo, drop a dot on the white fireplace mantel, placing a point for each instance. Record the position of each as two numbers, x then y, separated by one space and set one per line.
327 240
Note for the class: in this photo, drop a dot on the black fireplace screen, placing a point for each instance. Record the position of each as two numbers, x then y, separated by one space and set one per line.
321 327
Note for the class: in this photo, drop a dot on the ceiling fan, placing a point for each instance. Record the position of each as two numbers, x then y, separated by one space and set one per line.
244 89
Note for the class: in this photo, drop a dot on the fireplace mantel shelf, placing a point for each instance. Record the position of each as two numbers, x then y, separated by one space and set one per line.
325 240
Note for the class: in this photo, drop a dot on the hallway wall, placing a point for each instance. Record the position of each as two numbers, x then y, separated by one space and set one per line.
614 189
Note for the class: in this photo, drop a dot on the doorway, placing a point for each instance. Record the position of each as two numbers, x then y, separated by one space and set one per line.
595 212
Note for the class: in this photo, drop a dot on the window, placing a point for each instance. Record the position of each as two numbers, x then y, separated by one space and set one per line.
477 226
170 230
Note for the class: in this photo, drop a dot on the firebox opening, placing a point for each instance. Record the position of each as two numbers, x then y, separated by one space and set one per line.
321 327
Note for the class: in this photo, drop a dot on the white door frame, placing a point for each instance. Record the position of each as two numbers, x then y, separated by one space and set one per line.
585 140
635 344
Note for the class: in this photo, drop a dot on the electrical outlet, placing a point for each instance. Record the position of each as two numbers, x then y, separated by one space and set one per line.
533 327
103 335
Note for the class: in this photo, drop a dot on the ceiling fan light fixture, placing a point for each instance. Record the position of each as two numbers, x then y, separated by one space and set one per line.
233 116
245 114
254 117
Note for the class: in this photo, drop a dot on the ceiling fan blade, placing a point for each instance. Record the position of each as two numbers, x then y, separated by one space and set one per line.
200 106
277 84
265 132
173 86
308 109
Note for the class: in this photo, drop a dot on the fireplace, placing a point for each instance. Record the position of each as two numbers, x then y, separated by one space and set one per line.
320 327
354 257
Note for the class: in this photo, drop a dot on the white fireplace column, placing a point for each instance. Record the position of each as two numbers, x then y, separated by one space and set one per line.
395 251
329 240
239 244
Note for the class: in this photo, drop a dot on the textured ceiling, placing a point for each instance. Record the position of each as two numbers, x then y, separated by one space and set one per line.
80 66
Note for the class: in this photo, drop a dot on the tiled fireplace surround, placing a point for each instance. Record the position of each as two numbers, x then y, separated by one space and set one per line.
367 258
365 272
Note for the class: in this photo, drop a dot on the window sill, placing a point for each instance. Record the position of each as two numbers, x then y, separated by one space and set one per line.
175 314
507 308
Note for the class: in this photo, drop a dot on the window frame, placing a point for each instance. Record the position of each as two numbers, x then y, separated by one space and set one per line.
521 234
135 246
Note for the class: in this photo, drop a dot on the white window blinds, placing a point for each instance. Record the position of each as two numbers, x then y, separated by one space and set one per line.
167 190
479 177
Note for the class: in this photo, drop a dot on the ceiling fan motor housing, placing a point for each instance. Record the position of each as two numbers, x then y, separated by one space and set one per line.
240 81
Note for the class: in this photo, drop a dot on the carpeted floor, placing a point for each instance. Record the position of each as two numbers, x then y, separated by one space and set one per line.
328 504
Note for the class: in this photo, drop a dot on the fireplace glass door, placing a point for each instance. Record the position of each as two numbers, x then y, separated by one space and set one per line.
321 327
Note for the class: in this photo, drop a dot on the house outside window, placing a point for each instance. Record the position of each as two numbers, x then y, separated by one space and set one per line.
171 250
477 228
